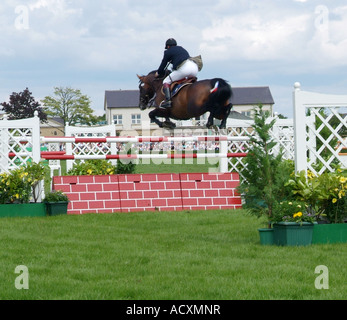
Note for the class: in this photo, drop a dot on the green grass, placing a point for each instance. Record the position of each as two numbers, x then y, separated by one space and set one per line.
177 165
169 165
156 255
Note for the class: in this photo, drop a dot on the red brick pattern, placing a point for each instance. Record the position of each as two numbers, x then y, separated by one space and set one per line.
150 192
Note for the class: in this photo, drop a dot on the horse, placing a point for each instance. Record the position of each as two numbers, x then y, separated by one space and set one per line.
193 100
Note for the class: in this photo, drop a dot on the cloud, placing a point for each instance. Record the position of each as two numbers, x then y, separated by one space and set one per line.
103 44
307 41
254 37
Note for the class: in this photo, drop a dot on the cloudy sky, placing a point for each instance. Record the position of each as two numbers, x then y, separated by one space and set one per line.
101 45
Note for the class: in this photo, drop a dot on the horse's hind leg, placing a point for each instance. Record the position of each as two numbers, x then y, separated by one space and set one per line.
209 123
224 121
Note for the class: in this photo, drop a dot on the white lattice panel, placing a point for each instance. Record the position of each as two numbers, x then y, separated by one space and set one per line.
319 142
89 148
282 133
20 142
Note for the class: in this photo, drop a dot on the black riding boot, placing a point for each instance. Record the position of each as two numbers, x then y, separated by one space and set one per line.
167 93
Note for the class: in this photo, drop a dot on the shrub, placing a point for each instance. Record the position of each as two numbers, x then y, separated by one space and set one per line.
101 167
56 196
22 184
266 173
326 194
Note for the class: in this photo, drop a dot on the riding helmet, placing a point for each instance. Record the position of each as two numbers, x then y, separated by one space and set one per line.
170 42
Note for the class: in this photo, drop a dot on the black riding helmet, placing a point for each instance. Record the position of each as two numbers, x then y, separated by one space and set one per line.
170 42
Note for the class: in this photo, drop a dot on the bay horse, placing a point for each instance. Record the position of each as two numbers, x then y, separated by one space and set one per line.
193 100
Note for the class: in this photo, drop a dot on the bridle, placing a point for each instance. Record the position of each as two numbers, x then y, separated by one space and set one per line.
147 98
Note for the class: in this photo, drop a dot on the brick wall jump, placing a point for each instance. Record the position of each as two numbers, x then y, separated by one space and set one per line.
150 192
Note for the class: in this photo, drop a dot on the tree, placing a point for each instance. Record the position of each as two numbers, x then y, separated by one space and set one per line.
70 105
22 105
266 173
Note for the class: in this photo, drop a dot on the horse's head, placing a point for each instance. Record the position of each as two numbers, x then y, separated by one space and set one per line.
147 89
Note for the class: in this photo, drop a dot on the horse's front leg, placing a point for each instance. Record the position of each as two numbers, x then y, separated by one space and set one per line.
153 116
163 114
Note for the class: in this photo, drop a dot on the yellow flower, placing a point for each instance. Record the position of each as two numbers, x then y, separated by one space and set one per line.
297 215
89 171
310 174
334 200
343 180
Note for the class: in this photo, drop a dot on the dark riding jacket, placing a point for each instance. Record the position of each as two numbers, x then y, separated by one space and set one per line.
174 55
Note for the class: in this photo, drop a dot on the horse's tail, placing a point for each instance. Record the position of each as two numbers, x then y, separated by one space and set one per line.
220 92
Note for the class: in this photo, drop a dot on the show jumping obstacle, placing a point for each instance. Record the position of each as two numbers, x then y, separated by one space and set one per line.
61 155
147 192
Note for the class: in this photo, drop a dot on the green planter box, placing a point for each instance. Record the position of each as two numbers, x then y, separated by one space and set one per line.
23 210
293 234
56 208
266 236
330 233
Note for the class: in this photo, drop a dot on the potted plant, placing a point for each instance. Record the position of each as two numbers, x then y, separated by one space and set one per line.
293 223
56 202
326 196
265 175
20 191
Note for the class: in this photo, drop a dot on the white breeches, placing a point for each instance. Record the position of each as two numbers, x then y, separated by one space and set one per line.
188 69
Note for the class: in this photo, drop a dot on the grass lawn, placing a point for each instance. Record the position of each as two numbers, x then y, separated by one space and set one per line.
155 255
169 165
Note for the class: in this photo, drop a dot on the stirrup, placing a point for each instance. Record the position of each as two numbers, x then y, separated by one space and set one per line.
166 104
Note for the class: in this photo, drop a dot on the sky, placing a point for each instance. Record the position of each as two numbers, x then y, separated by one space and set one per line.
102 45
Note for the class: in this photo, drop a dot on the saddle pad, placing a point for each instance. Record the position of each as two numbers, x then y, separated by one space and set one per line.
178 87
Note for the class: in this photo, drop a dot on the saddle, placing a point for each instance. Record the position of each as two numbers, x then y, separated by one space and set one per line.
178 85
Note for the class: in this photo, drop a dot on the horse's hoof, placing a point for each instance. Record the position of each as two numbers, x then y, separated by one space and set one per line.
169 125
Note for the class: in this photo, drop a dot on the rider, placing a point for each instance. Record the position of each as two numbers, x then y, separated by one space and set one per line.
181 64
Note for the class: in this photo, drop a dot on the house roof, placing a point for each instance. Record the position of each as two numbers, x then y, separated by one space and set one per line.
241 96
122 98
251 96
53 122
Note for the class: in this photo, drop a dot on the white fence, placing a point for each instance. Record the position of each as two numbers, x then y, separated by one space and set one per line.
315 149
21 138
